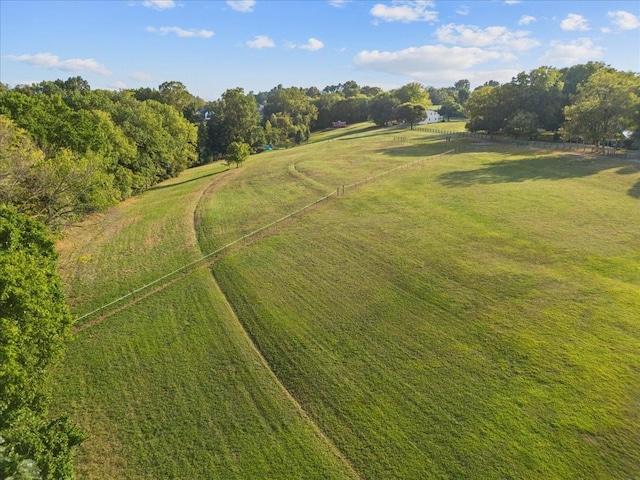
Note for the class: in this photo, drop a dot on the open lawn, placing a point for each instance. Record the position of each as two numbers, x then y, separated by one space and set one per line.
474 316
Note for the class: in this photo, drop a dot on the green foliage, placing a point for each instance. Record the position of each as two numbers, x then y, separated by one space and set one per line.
410 113
294 104
98 147
14 466
237 152
486 110
233 118
605 105
382 109
523 125
34 328
450 108
413 92
55 190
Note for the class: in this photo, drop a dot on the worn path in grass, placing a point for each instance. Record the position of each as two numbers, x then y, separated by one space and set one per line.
475 318
171 387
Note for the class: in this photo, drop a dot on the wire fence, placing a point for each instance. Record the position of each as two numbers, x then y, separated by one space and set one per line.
234 245
566 146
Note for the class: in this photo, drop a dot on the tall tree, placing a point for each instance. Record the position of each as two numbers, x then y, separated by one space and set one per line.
450 108
413 92
604 106
232 118
463 90
382 108
410 113
487 109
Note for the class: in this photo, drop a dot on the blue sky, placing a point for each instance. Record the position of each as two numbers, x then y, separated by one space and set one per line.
212 46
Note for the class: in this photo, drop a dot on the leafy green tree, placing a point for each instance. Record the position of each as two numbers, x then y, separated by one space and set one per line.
18 154
354 109
324 105
463 90
382 109
313 92
237 153
294 103
174 93
55 189
179 139
604 106
350 89
413 92
411 113
34 327
487 109
576 75
450 108
369 91
232 118
540 92
523 124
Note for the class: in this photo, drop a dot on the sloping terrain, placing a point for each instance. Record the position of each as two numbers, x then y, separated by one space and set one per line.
473 316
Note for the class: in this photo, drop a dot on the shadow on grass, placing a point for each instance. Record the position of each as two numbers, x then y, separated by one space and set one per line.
170 185
338 133
635 190
428 147
544 168
377 132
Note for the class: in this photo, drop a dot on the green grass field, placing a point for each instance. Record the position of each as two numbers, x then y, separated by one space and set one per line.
474 316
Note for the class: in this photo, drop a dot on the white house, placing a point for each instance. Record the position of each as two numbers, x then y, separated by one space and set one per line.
432 117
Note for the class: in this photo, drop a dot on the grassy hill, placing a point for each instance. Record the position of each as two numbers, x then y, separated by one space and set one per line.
471 316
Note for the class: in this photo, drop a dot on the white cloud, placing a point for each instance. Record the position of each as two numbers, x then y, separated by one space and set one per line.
462 10
605 30
405 11
159 4
181 32
48 60
244 6
141 77
512 2
261 41
526 20
624 20
574 52
492 37
574 22
312 44
413 60
338 3
436 64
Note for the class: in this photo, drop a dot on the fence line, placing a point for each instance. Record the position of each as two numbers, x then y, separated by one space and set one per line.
571 147
242 240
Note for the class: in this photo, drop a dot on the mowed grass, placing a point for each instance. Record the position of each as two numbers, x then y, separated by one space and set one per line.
475 317
172 387
471 317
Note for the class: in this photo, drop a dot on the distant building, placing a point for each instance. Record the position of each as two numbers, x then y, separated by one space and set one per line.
432 117
339 124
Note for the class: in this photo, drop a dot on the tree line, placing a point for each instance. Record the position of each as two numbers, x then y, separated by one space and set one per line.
590 103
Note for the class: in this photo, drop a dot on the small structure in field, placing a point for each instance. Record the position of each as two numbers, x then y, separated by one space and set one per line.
339 124
432 117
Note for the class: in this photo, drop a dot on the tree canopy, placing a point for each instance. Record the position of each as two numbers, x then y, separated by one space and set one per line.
34 327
